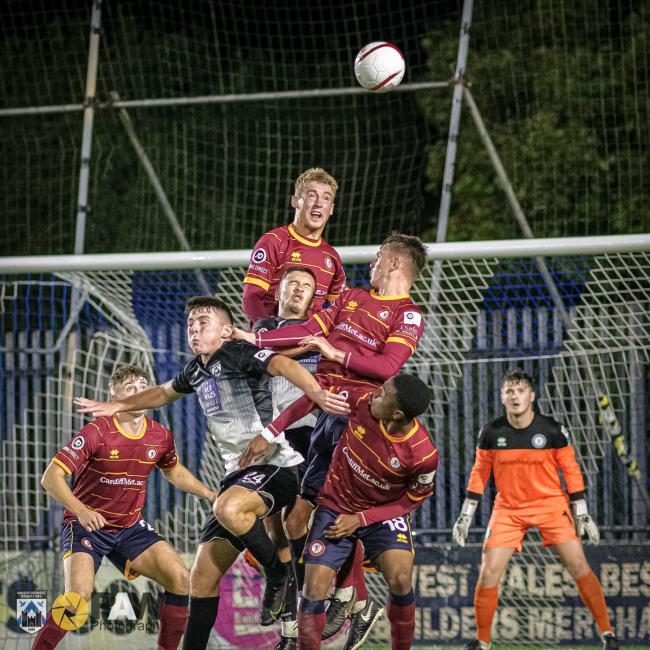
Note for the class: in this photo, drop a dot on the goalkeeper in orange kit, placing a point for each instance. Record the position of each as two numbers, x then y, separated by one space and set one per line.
525 450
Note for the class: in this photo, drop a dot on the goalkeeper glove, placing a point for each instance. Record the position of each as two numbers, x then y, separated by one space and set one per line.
461 527
584 523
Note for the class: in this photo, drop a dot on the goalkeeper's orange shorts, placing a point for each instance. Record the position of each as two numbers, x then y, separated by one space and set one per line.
507 528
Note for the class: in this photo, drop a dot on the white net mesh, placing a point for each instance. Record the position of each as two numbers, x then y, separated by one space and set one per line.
492 314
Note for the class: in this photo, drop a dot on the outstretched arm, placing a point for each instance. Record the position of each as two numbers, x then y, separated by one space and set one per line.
298 376
303 379
151 398
380 365
54 483
181 477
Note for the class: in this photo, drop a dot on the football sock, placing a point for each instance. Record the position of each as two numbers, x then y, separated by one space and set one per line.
344 577
592 596
311 623
291 601
258 542
173 617
49 635
297 547
401 614
344 594
203 613
358 574
486 600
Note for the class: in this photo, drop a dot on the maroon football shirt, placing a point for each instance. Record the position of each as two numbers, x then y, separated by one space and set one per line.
110 467
377 334
378 475
282 248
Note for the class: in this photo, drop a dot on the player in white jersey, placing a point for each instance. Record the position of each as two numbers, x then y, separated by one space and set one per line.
226 377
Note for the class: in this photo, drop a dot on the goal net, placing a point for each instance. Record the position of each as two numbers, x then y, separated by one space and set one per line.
63 334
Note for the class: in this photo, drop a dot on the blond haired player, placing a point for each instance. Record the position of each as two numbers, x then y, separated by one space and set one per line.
297 244
525 450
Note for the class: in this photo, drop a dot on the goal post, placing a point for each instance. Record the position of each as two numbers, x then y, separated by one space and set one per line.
493 311
504 248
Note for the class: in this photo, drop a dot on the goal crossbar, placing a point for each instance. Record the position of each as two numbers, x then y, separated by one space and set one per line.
505 248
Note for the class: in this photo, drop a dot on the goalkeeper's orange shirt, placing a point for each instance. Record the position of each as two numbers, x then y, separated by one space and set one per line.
525 463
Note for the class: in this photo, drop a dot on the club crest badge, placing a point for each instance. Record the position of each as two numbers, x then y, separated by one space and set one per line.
539 441
30 610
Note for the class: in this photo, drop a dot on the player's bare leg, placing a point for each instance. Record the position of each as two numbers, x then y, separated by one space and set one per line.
573 558
161 563
296 526
486 595
240 510
79 577
311 614
493 563
212 561
79 574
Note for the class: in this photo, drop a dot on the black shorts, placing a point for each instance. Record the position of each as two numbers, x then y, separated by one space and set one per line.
299 439
277 486
326 434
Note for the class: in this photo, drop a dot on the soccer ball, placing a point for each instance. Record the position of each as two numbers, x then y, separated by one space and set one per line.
379 67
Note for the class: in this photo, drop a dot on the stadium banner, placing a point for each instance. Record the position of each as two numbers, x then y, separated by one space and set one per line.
445 578
125 611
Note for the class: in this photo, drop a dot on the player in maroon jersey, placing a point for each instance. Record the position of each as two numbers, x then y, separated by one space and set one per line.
110 460
383 468
365 338
298 244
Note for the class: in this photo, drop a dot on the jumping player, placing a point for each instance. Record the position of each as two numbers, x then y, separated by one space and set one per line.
294 294
383 468
368 336
298 244
110 460
363 339
525 450
226 377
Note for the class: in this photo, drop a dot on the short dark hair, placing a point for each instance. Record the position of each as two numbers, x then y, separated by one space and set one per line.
209 302
412 394
410 246
299 269
517 375
127 371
